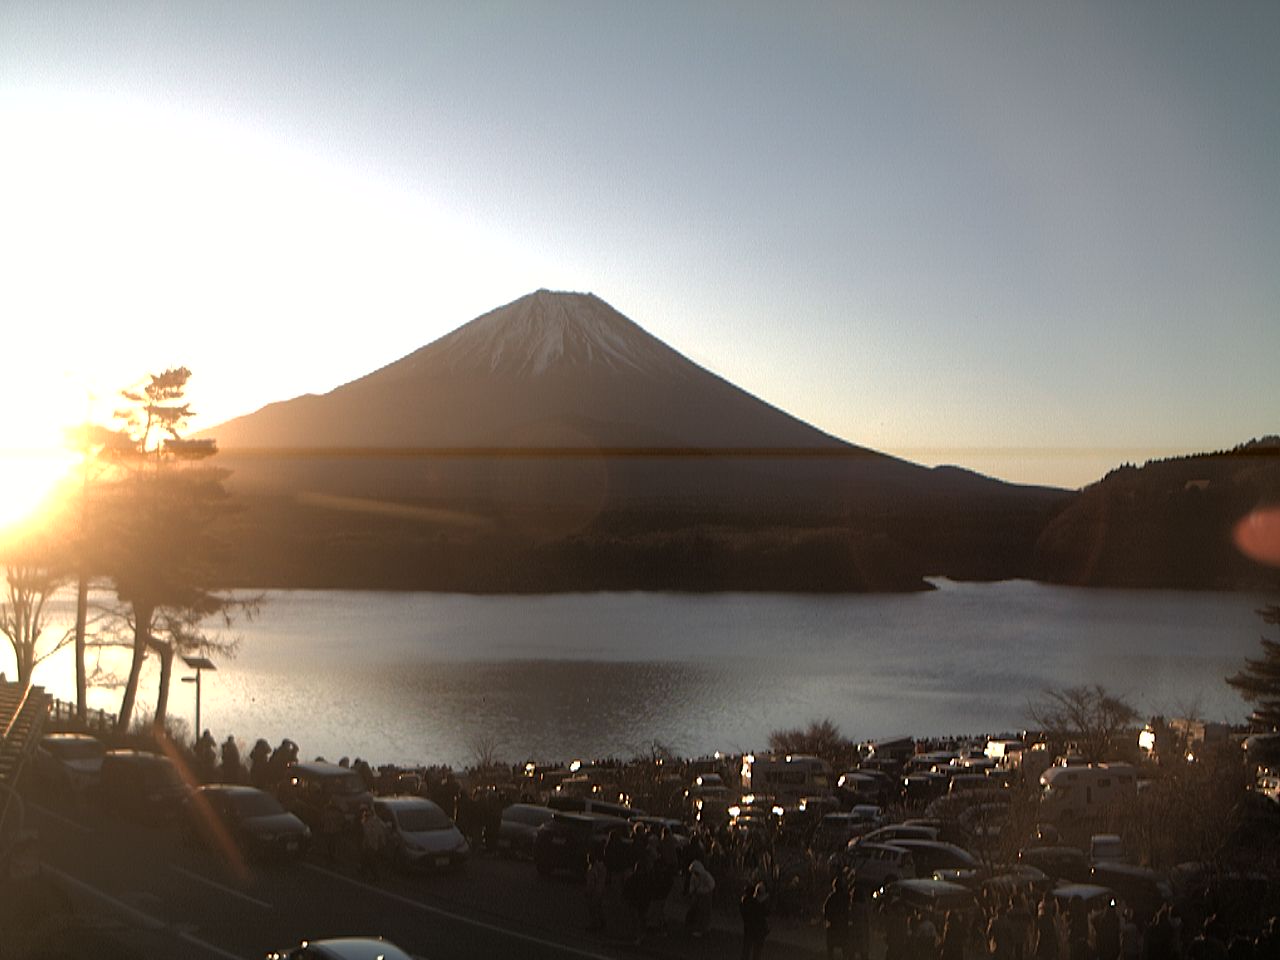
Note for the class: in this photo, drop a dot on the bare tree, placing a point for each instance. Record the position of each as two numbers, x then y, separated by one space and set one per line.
821 738
24 616
484 751
1091 717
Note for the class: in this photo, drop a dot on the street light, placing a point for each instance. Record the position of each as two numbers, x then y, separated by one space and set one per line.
197 664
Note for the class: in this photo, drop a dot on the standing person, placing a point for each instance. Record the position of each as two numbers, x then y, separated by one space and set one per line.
954 934
1106 932
373 844
637 890
206 757
860 924
259 757
230 761
754 908
1046 930
330 830
835 918
597 882
702 885
924 938
897 932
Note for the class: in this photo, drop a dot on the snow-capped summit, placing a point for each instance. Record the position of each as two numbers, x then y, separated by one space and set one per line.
549 370
545 330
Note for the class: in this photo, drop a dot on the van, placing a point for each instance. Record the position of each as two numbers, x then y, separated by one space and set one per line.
788 778
142 786
311 787
1068 794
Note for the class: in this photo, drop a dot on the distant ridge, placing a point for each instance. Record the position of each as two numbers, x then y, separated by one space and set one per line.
549 371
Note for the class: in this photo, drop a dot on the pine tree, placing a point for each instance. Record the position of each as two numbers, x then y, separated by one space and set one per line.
1259 681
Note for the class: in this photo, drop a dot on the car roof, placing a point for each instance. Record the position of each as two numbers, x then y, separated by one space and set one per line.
404 801
358 948
318 769
65 737
230 789
1080 891
137 756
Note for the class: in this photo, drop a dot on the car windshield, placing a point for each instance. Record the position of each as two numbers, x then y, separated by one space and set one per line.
421 819
256 805
75 749
160 774
345 784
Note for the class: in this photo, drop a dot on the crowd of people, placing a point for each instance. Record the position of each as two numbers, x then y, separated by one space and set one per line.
633 881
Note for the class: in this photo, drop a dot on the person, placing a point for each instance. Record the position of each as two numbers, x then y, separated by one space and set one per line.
597 883
259 757
897 932
860 924
924 938
835 918
954 934
373 843
637 890
206 757
1159 942
1106 932
1046 930
230 761
1211 943
702 885
754 908
331 824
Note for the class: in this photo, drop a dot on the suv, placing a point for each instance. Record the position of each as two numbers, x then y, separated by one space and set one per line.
143 786
313 786
69 763
564 841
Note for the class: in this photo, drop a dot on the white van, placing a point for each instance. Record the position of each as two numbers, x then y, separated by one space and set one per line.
1073 793
786 778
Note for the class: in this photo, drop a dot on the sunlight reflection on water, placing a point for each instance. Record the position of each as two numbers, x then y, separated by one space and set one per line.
421 677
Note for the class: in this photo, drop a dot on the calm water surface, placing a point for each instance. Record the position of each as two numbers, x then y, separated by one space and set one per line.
423 677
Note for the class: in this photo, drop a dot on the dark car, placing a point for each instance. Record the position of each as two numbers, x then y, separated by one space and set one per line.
343 948
1142 889
931 855
311 787
519 827
1068 864
563 842
142 786
251 819
69 764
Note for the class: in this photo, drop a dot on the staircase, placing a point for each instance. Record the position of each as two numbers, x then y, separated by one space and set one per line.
22 716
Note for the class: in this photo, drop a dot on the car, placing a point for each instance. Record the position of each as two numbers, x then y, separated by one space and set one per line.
876 864
142 786
519 826
1094 897
900 831
931 855
343 948
423 835
251 819
1068 864
1144 890
563 842
931 896
310 787
835 830
70 762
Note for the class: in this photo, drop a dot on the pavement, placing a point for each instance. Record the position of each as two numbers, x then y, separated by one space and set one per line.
136 891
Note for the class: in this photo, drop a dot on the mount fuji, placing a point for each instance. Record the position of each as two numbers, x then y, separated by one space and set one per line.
550 371
552 444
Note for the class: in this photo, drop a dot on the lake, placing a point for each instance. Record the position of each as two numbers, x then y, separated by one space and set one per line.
417 677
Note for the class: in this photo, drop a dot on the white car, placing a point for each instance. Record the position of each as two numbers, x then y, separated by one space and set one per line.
878 864
423 834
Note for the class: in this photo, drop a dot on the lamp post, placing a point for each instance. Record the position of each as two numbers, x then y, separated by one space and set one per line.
197 664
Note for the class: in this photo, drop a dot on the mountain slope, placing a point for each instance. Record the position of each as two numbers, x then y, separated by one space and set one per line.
561 370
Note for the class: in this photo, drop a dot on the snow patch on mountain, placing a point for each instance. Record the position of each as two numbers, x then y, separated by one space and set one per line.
547 331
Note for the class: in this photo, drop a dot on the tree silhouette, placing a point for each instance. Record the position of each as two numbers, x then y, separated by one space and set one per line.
156 532
1259 681
1089 716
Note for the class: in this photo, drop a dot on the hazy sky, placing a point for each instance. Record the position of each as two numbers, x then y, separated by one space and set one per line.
1034 239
